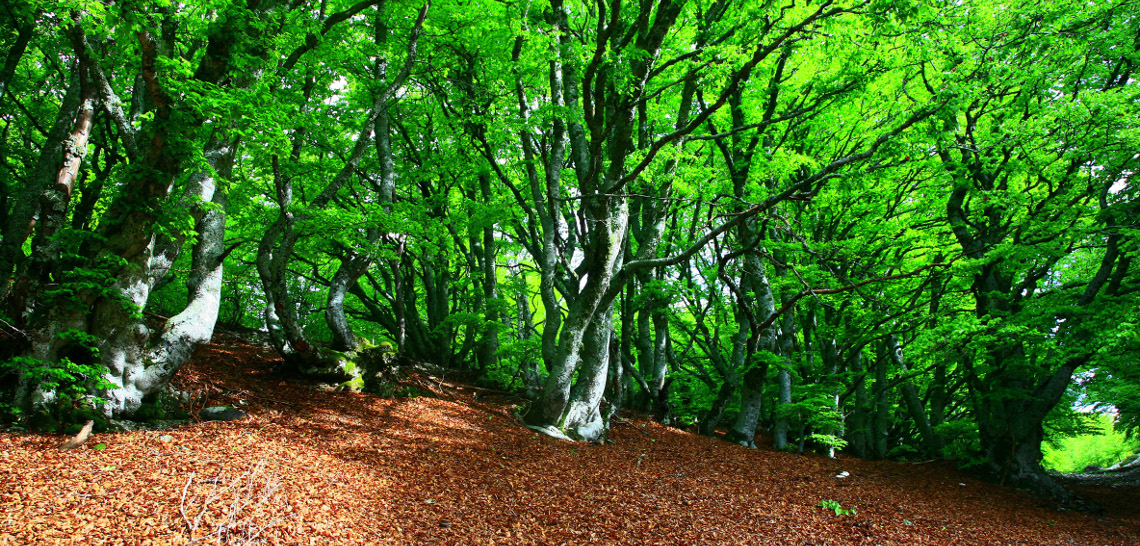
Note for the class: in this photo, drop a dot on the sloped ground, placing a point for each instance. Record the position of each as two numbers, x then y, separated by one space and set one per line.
310 467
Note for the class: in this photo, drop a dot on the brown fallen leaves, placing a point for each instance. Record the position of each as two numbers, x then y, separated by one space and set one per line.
310 467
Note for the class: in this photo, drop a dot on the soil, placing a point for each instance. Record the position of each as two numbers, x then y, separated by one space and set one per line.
454 467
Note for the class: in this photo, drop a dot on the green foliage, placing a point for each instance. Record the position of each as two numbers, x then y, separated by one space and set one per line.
74 375
833 505
83 277
963 442
814 408
1101 446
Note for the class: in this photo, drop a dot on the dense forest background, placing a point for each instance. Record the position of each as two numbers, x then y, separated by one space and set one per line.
897 228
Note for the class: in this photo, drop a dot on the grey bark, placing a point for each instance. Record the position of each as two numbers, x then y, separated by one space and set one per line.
141 362
22 218
276 248
880 418
913 402
780 431
786 350
830 356
532 378
582 418
489 334
743 431
859 434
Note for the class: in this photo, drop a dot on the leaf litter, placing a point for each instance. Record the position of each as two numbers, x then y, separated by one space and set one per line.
315 467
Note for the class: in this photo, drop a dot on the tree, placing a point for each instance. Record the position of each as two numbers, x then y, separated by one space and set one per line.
1030 163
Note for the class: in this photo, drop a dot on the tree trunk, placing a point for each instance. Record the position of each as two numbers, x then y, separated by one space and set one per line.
582 419
488 350
646 354
780 432
787 348
24 31
880 418
1011 429
529 367
351 268
139 372
913 402
755 283
610 219
859 434
830 356
22 218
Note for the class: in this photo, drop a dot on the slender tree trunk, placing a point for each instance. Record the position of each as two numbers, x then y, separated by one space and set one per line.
913 402
859 432
532 378
645 352
22 218
787 349
24 31
780 432
830 355
616 384
351 268
489 333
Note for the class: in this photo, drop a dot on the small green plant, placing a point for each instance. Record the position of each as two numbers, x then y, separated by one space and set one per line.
77 372
829 504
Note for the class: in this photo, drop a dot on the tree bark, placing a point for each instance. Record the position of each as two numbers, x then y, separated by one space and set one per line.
22 218
913 402
859 433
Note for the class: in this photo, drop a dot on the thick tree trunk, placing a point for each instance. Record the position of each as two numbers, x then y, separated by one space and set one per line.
54 201
743 430
1011 429
583 418
49 322
138 368
141 363
880 418
754 281
610 219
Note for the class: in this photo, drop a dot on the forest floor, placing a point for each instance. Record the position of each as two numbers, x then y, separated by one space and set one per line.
315 467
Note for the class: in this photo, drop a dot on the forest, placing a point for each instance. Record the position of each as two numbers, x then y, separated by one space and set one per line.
894 229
